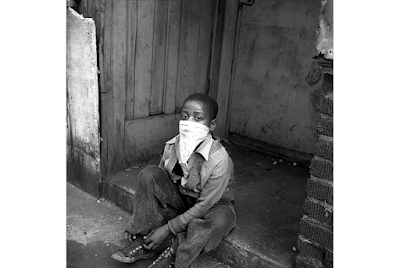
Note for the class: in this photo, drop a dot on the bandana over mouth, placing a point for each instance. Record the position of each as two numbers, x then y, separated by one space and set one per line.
191 134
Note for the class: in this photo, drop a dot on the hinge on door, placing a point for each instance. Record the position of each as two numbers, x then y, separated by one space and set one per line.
246 2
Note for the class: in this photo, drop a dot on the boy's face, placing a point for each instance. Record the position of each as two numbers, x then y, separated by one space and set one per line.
193 111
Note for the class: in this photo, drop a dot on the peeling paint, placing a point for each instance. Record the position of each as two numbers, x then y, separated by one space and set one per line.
324 42
315 74
83 143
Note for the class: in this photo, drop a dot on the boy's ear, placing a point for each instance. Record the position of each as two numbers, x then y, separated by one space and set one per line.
213 124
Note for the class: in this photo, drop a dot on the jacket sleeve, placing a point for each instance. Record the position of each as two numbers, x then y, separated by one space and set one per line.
209 195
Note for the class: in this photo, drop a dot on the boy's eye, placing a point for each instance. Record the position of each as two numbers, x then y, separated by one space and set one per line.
183 116
197 118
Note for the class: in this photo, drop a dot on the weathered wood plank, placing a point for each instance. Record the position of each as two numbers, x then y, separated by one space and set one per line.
216 48
120 47
144 58
92 9
107 122
106 71
107 129
227 54
131 55
173 39
101 37
160 32
102 15
188 50
89 9
83 8
206 22
119 78
146 137
97 19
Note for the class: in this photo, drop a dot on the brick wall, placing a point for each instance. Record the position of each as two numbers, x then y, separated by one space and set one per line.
315 243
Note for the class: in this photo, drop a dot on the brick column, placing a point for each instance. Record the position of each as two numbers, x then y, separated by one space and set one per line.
315 243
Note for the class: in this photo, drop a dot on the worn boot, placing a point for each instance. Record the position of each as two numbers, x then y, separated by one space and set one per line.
132 253
167 258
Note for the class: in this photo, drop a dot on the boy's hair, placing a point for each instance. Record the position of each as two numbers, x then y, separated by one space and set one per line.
209 104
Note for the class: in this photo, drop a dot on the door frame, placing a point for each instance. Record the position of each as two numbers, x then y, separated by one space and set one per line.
226 72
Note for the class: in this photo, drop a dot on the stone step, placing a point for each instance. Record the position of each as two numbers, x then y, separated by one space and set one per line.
269 195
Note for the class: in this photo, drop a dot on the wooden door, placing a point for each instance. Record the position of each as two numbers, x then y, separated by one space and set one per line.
152 54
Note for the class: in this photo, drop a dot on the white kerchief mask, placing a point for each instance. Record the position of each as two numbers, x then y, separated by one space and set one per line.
191 135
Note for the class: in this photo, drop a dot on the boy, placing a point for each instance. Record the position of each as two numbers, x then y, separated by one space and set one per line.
186 196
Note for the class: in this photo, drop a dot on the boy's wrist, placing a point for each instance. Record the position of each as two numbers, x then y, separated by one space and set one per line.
166 227
171 227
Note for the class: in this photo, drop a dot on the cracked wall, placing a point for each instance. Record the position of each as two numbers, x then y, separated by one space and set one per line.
272 101
83 140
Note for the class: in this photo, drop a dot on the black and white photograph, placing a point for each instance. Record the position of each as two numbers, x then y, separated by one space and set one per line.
199 133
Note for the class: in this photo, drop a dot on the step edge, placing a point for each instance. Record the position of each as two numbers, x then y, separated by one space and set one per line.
256 254
224 243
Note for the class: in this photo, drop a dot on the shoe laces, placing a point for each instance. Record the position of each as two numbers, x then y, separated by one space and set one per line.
132 251
166 253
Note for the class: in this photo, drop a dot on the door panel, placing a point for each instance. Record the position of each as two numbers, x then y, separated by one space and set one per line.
160 53
146 136
172 55
143 64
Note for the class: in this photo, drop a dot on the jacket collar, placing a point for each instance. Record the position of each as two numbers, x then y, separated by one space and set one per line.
204 148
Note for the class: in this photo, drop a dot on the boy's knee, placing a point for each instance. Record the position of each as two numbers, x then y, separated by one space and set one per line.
152 171
222 222
222 219
150 175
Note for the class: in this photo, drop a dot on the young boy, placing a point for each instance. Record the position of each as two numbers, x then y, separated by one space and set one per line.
186 196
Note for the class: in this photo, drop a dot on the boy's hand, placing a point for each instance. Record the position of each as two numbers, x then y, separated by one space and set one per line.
130 236
156 237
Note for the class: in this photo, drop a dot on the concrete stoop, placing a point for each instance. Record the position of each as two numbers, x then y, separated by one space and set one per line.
269 195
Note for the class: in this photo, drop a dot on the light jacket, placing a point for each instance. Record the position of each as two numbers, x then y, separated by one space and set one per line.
210 173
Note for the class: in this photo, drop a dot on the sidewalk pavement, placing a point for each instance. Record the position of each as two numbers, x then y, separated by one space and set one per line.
95 230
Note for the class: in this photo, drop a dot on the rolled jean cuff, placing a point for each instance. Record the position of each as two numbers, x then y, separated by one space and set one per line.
175 226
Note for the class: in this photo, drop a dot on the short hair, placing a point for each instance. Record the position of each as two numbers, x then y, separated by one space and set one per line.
208 103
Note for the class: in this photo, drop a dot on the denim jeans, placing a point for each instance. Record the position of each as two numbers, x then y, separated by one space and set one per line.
157 200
